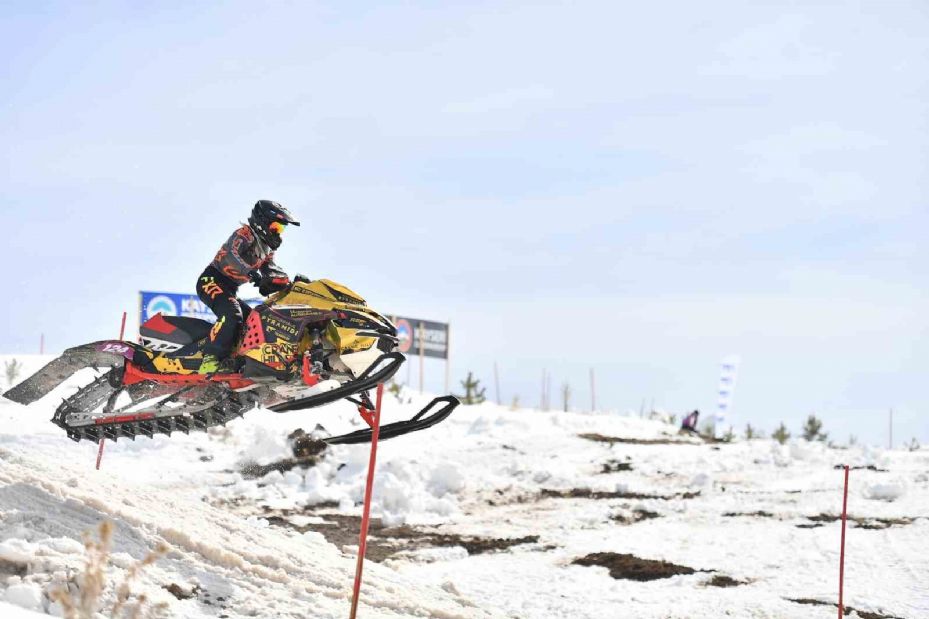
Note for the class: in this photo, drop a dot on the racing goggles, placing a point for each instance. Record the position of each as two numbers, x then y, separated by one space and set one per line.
277 227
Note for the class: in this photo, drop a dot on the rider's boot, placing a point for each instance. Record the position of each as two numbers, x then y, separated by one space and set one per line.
209 365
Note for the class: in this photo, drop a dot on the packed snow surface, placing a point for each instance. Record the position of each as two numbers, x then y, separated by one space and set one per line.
541 490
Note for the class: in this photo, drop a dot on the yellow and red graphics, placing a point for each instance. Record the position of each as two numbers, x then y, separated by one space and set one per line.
214 332
274 339
277 334
322 294
210 287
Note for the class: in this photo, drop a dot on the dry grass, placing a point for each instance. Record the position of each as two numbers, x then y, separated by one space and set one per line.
82 597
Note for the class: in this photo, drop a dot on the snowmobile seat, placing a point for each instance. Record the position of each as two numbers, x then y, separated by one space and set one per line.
169 333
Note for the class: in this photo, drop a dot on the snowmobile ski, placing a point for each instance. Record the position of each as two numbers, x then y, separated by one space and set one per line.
398 428
368 380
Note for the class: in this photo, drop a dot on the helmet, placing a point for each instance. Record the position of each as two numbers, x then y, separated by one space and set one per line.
264 214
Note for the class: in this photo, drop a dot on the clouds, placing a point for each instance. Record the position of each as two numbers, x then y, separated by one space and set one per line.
787 45
696 179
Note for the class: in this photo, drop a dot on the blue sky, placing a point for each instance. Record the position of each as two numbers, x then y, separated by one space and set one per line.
638 189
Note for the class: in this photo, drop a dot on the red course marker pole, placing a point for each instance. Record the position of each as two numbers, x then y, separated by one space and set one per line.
842 551
122 331
369 486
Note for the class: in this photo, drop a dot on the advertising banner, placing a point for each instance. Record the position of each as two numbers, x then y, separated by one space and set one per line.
433 335
174 304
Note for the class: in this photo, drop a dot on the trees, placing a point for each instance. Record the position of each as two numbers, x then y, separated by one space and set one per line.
473 394
812 429
781 435
13 368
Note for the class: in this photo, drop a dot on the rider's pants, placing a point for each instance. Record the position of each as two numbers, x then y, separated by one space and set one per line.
230 311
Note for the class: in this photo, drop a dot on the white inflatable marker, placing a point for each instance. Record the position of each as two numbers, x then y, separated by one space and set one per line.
728 373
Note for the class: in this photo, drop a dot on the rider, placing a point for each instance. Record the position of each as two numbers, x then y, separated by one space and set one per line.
248 256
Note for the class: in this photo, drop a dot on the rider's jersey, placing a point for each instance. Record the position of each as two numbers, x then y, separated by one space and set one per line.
241 254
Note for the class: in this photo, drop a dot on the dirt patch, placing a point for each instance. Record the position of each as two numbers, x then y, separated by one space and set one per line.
307 451
869 467
611 440
12 568
509 496
587 493
630 567
847 609
636 515
181 593
874 524
384 542
615 466
476 545
758 514
503 497
724 581
823 518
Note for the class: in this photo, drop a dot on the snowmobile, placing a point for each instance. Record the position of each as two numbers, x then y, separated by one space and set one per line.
308 344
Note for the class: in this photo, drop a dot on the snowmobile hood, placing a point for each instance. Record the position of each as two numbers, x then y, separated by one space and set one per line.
323 293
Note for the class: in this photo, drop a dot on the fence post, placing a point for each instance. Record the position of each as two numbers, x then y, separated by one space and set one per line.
842 551
422 354
369 487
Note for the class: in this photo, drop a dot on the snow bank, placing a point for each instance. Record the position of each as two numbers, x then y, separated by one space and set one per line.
748 510
885 491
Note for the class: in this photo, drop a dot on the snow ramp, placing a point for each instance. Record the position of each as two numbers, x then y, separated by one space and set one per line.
217 565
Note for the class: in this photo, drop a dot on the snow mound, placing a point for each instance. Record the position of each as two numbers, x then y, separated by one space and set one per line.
257 570
885 491
28 596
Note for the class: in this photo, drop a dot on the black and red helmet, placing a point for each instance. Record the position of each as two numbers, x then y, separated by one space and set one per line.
268 220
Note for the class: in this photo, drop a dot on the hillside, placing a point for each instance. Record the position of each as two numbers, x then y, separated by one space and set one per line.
494 513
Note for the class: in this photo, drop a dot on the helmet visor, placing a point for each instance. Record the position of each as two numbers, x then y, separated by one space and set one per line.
277 227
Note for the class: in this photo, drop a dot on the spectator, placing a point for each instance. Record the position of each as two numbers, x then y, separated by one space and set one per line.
690 422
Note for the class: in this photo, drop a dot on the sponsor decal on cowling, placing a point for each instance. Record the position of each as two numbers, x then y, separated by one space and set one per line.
116 348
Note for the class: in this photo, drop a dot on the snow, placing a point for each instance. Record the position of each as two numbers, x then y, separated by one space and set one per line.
14 611
890 491
755 511
28 596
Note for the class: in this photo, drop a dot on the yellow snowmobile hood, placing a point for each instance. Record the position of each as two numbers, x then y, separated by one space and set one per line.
346 335
321 293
